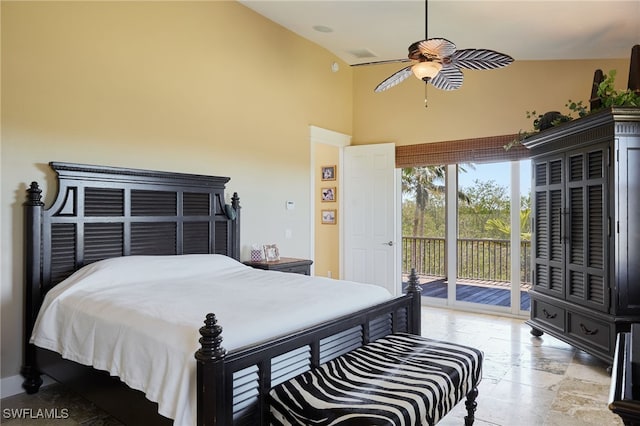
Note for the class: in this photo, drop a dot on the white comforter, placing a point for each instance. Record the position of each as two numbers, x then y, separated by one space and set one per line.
138 316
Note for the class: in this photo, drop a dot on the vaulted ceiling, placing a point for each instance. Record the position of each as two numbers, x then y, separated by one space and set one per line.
361 31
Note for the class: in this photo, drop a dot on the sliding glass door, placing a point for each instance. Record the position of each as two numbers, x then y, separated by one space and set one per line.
424 226
468 234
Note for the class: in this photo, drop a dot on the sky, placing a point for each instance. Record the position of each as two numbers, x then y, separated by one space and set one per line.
499 173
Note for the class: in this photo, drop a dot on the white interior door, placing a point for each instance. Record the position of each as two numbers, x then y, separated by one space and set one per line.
370 231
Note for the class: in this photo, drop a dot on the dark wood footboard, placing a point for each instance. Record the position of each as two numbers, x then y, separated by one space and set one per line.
221 376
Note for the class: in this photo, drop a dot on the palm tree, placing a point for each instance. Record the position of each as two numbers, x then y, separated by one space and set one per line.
505 228
422 182
525 221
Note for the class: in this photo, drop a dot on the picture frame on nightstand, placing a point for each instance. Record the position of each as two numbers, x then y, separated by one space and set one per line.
271 252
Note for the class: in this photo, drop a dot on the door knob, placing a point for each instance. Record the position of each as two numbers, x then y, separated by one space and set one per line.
390 243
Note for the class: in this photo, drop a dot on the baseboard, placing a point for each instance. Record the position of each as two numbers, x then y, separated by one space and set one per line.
12 385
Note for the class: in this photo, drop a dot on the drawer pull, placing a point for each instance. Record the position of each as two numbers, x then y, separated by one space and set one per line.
588 332
548 315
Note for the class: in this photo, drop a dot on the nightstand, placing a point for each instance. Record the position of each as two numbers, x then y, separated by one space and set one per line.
285 264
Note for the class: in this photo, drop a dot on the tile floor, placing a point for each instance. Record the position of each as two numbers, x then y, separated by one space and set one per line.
527 381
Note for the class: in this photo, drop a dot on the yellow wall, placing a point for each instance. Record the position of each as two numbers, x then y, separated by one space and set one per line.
326 254
489 103
201 87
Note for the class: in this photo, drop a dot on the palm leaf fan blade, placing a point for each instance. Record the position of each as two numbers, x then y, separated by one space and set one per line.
396 78
449 78
480 59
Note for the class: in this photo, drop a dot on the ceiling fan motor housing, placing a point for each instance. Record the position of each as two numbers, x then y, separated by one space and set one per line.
417 54
414 52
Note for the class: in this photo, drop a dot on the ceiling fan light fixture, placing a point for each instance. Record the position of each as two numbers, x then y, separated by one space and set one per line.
439 62
426 70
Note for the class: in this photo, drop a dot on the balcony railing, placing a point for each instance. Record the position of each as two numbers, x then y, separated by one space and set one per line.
478 258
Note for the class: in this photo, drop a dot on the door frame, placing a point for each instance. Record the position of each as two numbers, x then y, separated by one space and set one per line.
319 135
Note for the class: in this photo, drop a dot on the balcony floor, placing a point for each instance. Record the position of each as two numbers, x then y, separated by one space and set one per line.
494 293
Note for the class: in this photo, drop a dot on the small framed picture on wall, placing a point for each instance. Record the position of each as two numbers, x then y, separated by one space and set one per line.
328 217
328 194
328 172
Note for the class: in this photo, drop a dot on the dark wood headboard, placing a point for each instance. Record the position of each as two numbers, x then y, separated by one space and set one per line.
103 212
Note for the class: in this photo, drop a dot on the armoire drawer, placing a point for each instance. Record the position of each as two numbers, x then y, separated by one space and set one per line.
594 332
548 314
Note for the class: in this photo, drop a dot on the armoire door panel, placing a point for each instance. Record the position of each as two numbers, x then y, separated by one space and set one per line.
548 239
586 240
628 223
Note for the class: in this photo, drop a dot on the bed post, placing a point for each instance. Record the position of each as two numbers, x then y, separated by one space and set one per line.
211 381
33 284
235 227
414 289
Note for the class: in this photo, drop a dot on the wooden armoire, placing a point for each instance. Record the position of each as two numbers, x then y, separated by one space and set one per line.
585 198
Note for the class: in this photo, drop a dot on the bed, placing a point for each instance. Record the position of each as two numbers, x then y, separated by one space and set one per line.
114 216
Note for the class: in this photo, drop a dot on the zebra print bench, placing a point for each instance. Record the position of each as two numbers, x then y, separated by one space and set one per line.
401 379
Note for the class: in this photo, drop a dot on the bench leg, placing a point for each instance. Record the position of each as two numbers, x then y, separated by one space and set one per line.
471 405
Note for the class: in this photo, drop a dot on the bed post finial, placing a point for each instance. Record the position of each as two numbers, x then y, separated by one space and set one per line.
235 228
34 195
210 376
414 289
211 332
235 201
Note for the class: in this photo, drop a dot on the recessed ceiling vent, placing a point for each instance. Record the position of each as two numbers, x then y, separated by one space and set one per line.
363 53
322 29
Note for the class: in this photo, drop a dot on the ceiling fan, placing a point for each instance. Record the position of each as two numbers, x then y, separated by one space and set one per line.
437 61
